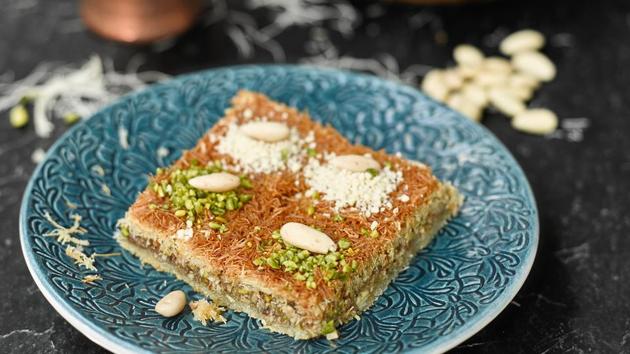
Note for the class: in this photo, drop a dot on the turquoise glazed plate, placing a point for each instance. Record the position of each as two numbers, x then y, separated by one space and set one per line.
451 290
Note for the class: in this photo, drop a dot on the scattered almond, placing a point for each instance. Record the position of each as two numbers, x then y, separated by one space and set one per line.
452 79
497 65
505 102
475 94
524 80
171 304
467 55
488 78
536 121
522 41
434 85
535 64
505 83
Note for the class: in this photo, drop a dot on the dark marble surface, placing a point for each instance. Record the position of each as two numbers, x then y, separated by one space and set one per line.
575 299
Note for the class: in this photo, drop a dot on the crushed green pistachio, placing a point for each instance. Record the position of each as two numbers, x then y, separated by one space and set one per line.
187 201
344 244
71 118
373 172
338 218
18 116
310 210
369 233
311 152
328 327
124 230
303 264
26 99
246 183
284 155
388 165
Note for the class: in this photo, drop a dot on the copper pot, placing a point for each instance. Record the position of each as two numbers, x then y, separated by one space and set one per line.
139 21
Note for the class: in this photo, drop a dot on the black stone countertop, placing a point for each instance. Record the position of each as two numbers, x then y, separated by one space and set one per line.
575 299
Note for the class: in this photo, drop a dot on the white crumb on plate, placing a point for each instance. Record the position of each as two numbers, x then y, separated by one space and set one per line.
38 155
123 137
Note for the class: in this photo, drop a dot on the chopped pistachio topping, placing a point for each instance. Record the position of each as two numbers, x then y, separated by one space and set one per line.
372 171
284 154
310 210
18 116
187 201
311 152
328 327
344 244
71 118
338 218
369 233
303 264
124 230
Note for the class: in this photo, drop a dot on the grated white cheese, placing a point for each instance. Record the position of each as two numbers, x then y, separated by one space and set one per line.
255 156
368 194
61 90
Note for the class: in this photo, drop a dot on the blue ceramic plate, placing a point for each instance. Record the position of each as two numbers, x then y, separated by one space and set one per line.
450 291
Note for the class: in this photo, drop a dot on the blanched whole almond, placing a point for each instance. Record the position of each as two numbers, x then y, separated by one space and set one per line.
505 102
535 64
467 55
524 80
455 100
536 121
355 163
270 132
307 238
497 64
520 92
464 106
216 182
522 41
453 80
434 85
470 110
171 304
490 78
475 94
467 72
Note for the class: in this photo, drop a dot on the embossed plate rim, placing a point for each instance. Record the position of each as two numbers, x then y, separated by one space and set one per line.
111 342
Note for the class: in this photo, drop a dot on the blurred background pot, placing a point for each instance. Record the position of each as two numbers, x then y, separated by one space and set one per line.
139 21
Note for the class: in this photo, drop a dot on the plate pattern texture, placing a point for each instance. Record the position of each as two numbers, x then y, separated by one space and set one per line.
460 282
